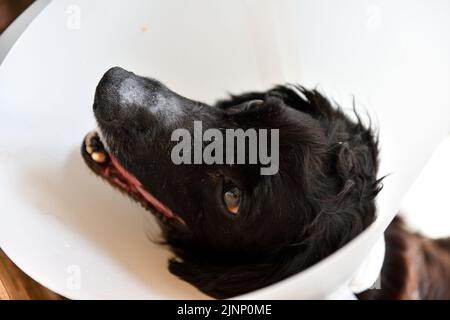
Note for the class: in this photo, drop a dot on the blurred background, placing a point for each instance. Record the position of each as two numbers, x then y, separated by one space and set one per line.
10 9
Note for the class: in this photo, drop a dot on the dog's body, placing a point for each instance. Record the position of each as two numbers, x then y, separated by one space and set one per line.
415 267
233 230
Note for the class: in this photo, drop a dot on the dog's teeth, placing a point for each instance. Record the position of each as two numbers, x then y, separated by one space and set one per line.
99 157
89 136
89 149
88 142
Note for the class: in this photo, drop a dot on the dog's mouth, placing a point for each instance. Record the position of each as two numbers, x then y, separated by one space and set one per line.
106 166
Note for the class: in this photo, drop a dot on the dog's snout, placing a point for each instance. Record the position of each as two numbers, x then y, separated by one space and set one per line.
111 82
118 89
125 96
117 73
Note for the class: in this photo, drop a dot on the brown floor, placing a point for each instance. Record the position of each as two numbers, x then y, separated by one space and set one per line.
14 284
10 9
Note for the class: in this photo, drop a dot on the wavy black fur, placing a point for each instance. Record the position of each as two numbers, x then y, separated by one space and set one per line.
326 189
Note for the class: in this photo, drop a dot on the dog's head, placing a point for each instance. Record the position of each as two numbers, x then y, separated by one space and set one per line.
233 229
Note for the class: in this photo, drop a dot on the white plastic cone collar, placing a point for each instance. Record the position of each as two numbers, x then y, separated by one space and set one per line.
75 235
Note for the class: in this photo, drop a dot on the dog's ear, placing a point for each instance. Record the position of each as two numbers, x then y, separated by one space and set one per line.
349 207
225 280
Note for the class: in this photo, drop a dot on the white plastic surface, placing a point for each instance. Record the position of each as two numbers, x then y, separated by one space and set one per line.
426 206
80 238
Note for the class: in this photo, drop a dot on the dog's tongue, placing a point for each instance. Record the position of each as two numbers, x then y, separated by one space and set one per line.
132 180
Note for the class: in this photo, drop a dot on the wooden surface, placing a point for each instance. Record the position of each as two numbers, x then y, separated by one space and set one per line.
10 9
14 284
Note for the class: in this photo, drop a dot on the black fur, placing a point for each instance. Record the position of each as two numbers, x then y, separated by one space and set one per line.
327 181
321 198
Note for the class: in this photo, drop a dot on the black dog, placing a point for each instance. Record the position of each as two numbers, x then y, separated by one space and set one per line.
232 229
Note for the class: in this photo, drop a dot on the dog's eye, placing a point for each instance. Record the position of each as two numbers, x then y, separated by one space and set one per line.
232 199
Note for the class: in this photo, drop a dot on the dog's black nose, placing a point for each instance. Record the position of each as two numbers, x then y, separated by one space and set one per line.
123 96
118 90
116 74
